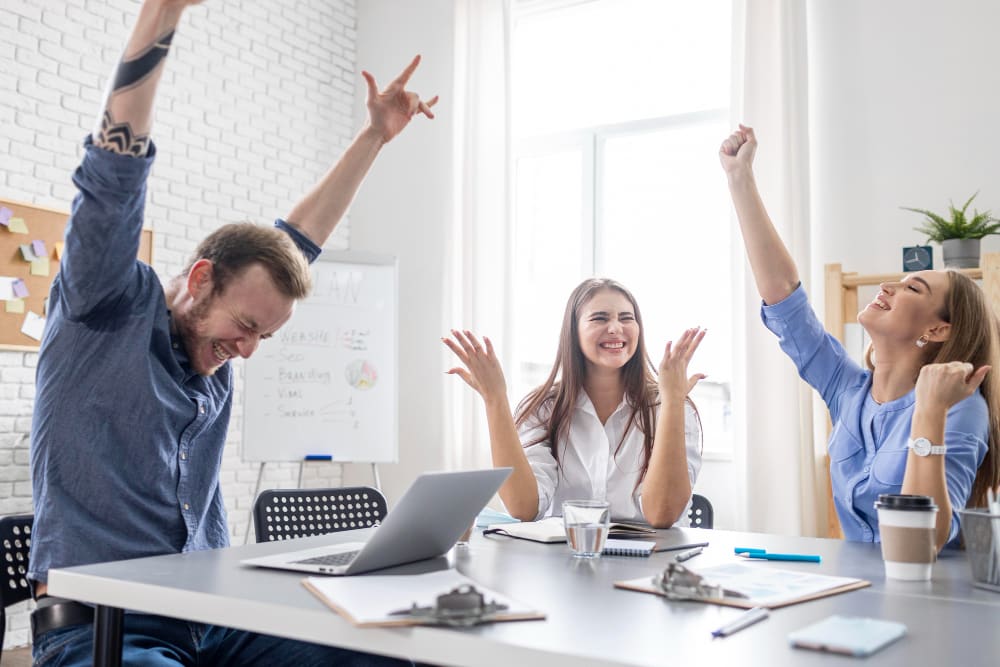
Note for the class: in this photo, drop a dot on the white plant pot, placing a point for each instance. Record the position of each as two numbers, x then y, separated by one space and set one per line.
960 253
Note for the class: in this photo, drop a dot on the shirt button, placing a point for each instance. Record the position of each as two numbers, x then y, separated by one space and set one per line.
184 456
175 346
201 408
868 468
186 506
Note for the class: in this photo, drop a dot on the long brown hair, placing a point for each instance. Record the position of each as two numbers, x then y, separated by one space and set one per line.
974 339
565 381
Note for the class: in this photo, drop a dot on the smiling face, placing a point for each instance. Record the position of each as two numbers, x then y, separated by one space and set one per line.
214 328
608 330
909 309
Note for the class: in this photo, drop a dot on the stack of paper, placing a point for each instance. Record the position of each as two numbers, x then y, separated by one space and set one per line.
762 586
370 600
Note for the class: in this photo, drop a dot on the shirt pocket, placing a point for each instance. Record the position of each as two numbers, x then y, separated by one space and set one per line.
843 445
889 465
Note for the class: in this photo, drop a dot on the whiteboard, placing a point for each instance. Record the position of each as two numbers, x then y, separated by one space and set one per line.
326 383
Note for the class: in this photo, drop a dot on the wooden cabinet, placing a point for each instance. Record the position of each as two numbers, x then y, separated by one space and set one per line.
841 307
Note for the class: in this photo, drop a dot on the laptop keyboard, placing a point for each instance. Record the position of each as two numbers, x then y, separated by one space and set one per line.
342 558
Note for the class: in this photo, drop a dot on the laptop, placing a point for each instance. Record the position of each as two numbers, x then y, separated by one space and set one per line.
426 522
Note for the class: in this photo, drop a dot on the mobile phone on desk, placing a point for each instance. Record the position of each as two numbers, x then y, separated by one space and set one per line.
848 635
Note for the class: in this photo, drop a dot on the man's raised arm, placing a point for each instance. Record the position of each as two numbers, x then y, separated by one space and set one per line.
389 111
125 121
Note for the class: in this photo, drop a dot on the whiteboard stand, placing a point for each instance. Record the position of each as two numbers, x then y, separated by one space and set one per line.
378 482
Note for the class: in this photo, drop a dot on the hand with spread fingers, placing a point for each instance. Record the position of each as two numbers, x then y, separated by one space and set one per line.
390 110
482 369
944 385
673 379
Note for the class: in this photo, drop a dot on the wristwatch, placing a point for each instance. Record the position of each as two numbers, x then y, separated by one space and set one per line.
923 447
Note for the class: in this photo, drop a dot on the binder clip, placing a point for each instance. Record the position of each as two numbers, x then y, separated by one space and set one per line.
460 608
679 583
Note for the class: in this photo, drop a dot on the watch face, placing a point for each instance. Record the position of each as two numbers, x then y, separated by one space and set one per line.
918 258
921 446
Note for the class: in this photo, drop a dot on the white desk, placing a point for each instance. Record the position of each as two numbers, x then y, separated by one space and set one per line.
588 621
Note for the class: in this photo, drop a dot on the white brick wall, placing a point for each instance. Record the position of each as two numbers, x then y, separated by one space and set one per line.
255 105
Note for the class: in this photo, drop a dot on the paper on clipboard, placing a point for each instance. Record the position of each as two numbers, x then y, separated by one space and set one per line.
763 586
368 601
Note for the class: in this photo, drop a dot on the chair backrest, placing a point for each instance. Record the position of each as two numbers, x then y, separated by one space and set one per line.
701 513
15 540
283 514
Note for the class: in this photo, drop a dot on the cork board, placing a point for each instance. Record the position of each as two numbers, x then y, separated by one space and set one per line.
37 224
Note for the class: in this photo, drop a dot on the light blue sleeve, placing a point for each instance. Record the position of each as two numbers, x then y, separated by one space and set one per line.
820 358
967 437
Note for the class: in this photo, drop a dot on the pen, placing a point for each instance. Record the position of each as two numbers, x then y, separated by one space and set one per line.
676 547
687 555
745 620
318 457
762 554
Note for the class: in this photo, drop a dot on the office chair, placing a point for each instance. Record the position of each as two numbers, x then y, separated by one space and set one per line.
701 513
283 514
15 539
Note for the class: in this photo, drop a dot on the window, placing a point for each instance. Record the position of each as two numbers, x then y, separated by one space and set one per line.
618 109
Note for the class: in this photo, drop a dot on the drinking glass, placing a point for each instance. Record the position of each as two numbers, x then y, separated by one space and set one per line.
587 523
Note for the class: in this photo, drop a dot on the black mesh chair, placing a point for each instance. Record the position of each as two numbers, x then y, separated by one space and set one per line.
15 539
701 513
283 514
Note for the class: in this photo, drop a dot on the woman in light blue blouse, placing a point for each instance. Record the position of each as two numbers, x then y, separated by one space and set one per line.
922 417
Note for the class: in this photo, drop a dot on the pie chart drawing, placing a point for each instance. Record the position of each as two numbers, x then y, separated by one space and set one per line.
361 374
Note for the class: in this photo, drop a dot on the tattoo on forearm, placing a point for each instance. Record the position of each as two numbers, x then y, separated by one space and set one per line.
119 138
133 72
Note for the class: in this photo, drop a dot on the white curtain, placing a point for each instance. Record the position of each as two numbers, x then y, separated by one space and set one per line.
772 96
477 283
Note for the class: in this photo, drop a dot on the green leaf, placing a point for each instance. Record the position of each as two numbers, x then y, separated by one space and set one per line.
956 224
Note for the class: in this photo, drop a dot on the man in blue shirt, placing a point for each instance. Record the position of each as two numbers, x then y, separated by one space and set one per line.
134 389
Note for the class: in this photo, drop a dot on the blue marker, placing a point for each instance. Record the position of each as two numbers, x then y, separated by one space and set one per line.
318 457
762 554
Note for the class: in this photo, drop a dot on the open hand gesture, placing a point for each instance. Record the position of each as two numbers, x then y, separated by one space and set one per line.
482 369
944 385
738 150
673 379
390 110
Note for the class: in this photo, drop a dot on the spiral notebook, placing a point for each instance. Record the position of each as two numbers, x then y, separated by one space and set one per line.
613 547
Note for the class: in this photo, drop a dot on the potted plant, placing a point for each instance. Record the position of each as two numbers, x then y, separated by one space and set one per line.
958 234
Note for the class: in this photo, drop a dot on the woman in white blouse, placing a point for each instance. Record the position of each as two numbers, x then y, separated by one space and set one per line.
622 431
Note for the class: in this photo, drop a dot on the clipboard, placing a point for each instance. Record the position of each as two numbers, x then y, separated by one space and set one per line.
761 586
369 601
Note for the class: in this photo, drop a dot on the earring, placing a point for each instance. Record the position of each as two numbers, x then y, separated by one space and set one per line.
922 341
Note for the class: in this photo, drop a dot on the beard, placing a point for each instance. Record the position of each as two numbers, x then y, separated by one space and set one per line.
191 332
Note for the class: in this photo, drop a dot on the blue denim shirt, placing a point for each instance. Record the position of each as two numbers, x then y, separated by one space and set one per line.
863 467
127 439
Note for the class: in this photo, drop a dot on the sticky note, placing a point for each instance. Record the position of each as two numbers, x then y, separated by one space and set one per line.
5 215
19 288
39 248
33 325
17 226
40 267
59 249
7 288
14 306
28 253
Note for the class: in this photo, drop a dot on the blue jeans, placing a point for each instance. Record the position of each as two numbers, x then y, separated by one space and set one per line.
156 640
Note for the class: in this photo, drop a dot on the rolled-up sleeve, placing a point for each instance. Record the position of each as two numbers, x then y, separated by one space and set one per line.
104 228
542 463
966 436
